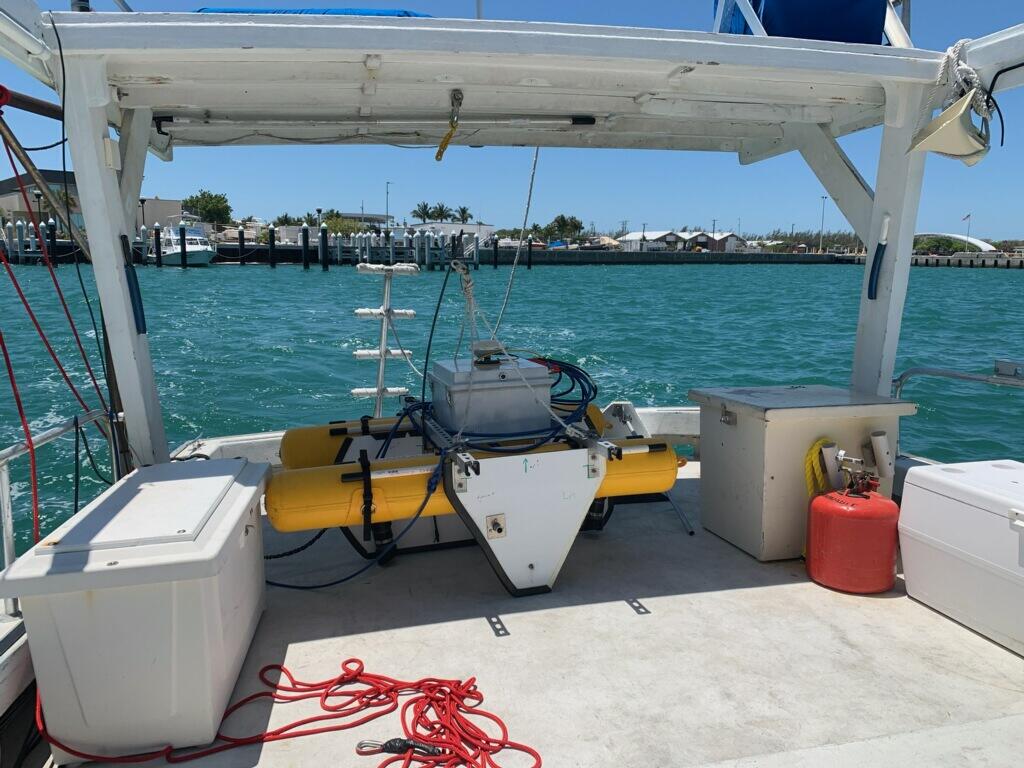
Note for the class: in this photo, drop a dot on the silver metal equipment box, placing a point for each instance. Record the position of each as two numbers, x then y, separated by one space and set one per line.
492 398
753 441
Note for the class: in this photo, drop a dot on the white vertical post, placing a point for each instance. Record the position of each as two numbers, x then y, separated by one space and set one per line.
86 100
132 146
897 194
21 241
385 307
7 529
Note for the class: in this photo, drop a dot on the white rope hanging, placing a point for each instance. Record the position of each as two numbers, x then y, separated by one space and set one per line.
956 77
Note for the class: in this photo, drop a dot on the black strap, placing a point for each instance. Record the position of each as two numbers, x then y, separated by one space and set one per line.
343 450
364 422
364 466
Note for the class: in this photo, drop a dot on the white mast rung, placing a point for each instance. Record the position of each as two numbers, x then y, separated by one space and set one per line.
370 313
374 354
373 391
394 269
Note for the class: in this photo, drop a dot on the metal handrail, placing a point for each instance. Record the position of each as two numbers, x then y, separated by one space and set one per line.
20 449
7 455
1005 374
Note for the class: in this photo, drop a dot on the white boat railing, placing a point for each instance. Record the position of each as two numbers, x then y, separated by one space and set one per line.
1006 373
12 452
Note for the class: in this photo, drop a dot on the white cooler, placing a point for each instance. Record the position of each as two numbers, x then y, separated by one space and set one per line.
140 608
962 539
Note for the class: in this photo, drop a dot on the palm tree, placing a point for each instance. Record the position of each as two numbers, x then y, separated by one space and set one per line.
441 212
422 211
463 215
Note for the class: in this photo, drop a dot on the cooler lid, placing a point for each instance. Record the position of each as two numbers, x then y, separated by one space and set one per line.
801 401
159 504
996 486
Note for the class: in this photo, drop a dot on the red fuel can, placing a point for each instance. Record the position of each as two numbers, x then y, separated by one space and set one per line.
851 541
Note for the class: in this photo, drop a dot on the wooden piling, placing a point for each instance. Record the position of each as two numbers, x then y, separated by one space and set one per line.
241 246
158 245
51 241
182 244
305 245
271 256
20 229
529 253
325 254
494 252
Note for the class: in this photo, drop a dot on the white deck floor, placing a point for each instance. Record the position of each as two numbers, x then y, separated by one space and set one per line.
739 663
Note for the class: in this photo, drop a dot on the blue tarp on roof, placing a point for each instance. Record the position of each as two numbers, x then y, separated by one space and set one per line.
319 11
840 21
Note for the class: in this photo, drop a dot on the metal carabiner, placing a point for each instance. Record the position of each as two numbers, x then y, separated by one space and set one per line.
396 746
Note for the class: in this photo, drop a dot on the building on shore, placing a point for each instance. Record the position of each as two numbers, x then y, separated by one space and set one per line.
667 240
148 211
485 231
653 240
12 204
153 210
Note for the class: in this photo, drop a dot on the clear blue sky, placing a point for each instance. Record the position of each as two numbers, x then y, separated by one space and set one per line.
664 189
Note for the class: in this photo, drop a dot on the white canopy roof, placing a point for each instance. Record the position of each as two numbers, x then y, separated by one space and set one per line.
262 79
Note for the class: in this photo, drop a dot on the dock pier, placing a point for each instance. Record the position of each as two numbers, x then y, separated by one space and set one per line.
433 248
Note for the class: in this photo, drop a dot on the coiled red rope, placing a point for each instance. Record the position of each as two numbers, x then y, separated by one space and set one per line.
443 715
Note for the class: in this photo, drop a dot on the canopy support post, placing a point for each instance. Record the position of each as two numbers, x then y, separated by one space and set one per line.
95 158
132 144
897 195
837 174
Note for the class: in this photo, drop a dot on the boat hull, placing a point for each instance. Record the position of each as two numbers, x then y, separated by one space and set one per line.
201 257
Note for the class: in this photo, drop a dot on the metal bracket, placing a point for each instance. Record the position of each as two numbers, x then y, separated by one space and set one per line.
594 443
465 465
636 605
1009 368
498 626
728 417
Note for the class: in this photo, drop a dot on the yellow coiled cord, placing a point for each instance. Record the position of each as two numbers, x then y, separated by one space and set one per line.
814 473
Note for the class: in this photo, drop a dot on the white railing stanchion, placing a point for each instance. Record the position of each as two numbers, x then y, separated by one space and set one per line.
7 526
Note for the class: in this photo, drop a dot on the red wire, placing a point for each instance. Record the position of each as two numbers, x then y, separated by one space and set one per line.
28 439
438 712
53 276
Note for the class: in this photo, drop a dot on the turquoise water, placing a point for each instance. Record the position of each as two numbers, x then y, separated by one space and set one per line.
247 349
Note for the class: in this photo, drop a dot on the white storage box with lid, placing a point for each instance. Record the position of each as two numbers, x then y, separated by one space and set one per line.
962 540
752 446
141 607
511 396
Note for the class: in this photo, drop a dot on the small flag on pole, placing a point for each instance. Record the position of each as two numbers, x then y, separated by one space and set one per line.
966 218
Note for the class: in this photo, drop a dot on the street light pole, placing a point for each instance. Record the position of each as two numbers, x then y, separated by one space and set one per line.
387 202
39 205
643 236
319 218
821 231
142 202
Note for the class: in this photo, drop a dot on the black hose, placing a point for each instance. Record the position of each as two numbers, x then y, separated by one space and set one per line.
430 338
300 548
432 483
78 474
92 459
